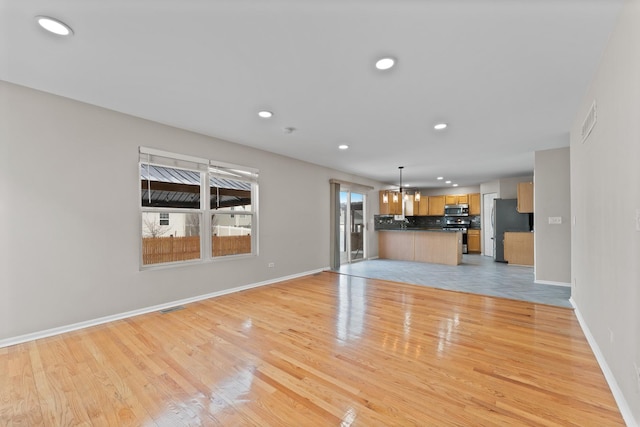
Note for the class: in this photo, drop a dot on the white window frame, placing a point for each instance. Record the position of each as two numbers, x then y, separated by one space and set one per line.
206 168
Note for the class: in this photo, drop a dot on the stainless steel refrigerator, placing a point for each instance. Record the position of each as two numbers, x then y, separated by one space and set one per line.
505 217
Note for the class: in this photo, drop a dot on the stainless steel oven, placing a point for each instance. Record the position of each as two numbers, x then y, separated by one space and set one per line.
456 210
458 224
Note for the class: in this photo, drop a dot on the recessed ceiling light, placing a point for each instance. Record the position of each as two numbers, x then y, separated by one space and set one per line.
343 147
385 63
440 178
455 185
447 182
54 26
440 126
265 114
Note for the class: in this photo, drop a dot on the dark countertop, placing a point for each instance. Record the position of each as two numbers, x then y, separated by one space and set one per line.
414 229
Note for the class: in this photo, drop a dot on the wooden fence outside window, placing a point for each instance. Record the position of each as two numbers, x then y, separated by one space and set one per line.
157 250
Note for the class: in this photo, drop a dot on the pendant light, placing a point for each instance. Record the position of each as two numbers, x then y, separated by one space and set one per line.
395 195
385 196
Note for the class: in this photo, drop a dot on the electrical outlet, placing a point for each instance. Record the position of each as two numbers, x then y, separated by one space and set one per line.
637 372
271 265
637 219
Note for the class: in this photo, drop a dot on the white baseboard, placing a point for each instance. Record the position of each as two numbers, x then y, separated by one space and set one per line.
549 282
101 320
623 405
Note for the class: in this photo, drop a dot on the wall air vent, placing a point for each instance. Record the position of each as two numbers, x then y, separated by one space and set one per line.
589 122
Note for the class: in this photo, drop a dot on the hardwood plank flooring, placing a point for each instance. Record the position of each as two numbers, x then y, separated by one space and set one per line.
322 350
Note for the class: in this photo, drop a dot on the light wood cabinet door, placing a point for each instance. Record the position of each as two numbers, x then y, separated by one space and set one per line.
518 248
463 199
384 203
436 205
474 204
390 207
473 241
456 199
421 207
451 200
525 197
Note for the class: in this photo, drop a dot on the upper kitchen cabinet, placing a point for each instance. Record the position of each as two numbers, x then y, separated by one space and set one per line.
463 199
474 204
421 207
436 205
456 199
384 203
525 197
390 203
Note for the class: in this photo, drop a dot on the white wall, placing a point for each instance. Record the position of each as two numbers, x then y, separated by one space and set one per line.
509 186
70 208
605 197
450 190
552 199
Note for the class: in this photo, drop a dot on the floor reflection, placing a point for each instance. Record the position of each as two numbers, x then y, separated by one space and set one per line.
446 332
351 309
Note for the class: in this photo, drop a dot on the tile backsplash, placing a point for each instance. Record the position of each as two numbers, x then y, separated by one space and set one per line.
387 222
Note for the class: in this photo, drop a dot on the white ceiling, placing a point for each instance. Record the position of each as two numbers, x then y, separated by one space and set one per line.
507 75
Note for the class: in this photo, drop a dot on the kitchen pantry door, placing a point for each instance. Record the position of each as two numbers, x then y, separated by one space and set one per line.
352 226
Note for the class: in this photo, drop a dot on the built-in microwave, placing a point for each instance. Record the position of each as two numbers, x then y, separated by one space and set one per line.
456 210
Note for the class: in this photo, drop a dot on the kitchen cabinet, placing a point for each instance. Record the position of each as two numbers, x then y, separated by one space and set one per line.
456 199
525 197
436 205
518 247
439 247
384 206
473 241
474 204
390 207
421 207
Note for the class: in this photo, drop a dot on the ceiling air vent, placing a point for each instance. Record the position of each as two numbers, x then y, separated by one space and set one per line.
589 122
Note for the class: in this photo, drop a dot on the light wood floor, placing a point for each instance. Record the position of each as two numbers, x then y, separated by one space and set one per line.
328 349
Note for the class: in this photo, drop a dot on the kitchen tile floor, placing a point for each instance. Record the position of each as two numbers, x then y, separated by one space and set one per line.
477 274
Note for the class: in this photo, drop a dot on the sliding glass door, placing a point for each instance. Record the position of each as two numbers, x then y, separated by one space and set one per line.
352 227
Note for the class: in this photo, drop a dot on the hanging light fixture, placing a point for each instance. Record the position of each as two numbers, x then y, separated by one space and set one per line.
395 195
385 197
416 196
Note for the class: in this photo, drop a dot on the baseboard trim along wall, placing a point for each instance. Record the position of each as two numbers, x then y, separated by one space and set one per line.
106 319
549 282
625 410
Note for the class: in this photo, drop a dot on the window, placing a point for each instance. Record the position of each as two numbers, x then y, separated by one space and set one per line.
164 218
231 192
184 199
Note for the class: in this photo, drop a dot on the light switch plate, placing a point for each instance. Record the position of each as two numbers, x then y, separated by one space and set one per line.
555 220
637 219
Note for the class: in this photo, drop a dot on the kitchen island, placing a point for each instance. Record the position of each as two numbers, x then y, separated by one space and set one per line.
422 245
